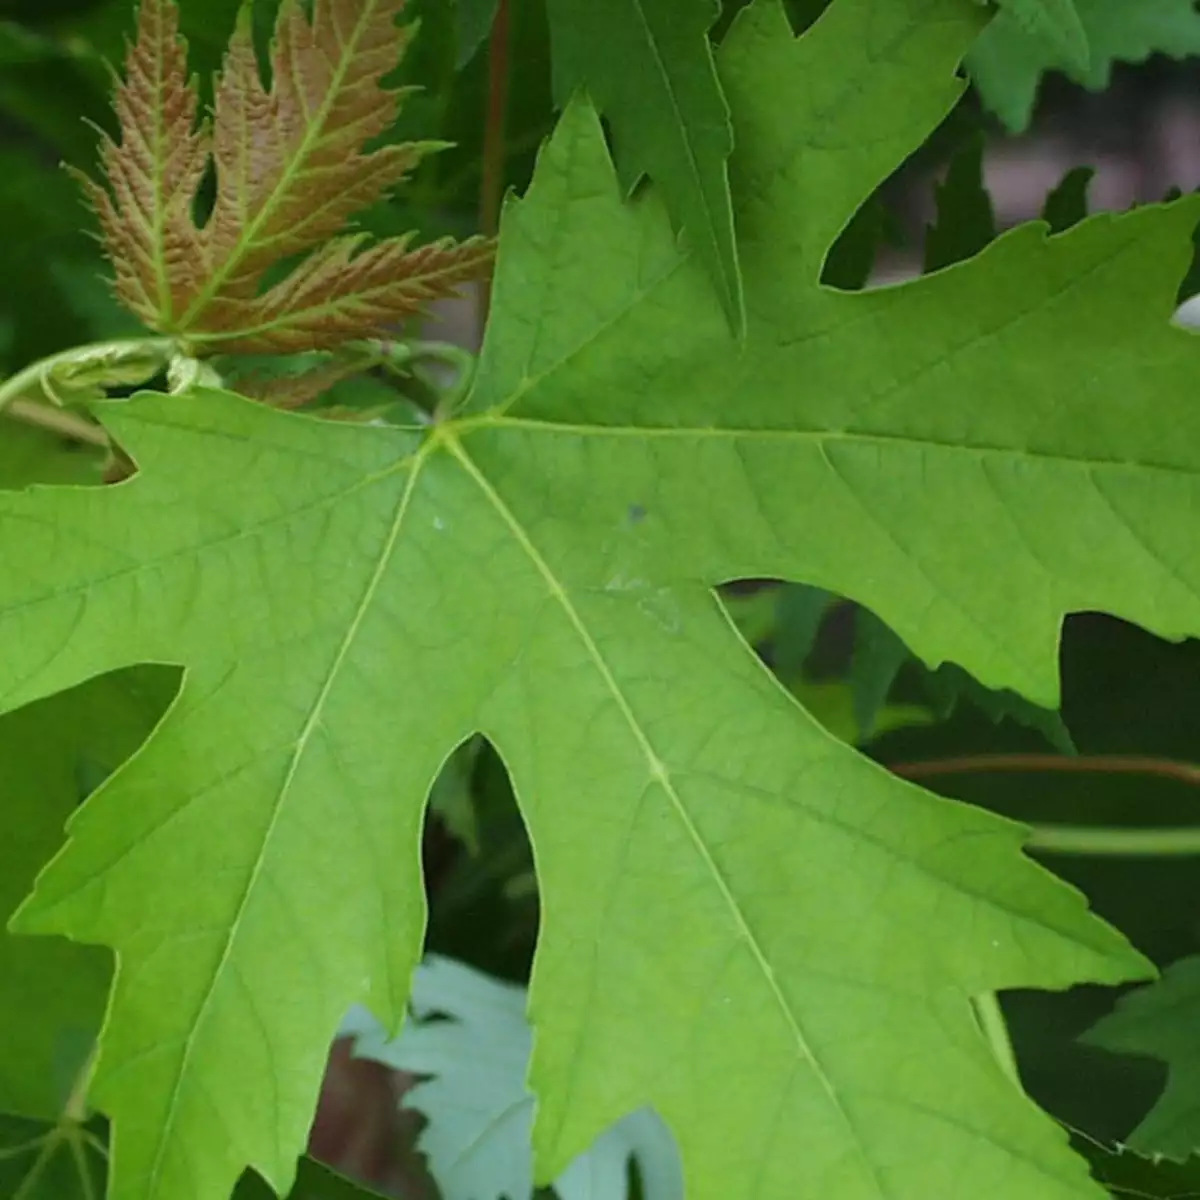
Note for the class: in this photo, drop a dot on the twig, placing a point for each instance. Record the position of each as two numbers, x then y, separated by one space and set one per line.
1104 764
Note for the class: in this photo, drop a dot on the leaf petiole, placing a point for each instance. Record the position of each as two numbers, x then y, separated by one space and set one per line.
1116 841
396 356
991 1020
83 372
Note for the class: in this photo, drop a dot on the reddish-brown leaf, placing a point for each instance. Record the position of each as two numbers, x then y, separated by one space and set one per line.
290 173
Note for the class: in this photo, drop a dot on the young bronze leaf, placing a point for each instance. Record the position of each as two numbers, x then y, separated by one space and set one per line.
145 215
337 294
290 173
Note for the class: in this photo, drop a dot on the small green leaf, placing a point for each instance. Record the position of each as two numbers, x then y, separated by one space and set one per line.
1160 1020
1067 204
965 222
1008 61
799 612
878 656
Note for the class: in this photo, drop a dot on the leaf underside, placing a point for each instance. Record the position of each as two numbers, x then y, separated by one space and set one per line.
290 173
745 924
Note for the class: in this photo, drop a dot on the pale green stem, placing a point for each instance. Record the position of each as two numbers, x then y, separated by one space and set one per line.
55 420
32 377
1096 840
1116 841
400 354
995 1030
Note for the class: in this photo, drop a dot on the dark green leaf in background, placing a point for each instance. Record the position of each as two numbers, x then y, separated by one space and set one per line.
49 1160
1055 22
52 992
1010 58
648 67
475 18
1162 1020
1067 204
965 221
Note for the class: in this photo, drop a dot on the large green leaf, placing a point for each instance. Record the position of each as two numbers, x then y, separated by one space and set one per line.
1161 1020
729 894
648 66
1010 58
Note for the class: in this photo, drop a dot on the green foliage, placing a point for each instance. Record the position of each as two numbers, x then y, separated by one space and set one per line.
1160 1020
475 18
51 991
452 652
470 1042
1015 51
1055 22
965 222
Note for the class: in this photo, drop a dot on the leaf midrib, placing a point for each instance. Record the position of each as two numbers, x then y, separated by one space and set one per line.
312 721
814 437
312 133
660 773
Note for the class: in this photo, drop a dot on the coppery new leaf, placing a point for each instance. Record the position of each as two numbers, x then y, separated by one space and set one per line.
290 173
154 173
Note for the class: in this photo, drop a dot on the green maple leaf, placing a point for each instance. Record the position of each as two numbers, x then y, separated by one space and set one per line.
746 924
1011 56
649 67
1159 1021
965 224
